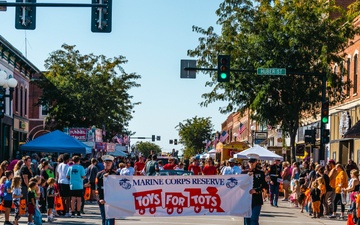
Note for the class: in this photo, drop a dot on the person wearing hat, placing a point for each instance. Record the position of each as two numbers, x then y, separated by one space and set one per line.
232 168
108 161
259 184
275 176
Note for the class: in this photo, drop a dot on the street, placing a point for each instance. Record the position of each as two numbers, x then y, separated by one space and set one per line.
284 214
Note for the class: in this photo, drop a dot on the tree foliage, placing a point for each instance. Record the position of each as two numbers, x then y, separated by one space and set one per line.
193 132
145 147
302 36
86 90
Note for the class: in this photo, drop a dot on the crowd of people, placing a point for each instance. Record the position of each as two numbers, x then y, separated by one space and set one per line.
313 188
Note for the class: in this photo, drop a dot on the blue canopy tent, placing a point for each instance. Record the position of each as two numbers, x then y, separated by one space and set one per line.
55 141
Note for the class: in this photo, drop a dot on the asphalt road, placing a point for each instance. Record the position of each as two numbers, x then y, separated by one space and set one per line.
283 215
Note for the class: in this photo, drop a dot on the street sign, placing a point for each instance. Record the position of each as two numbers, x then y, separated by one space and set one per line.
187 73
271 71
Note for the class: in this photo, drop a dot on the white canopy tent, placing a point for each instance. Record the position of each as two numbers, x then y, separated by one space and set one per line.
263 153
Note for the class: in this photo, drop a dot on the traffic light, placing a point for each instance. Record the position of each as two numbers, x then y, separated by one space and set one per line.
101 16
310 136
25 16
326 136
2 104
153 138
325 112
223 68
171 142
175 141
158 138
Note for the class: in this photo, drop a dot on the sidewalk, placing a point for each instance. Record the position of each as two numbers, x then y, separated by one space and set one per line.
91 216
286 211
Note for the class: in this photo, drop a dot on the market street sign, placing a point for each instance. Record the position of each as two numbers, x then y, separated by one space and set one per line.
271 71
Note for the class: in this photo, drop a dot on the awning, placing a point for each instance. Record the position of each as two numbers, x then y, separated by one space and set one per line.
354 131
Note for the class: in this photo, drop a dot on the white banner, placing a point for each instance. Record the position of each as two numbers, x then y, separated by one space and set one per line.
177 195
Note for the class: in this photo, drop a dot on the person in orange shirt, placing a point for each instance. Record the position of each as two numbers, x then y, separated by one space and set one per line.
341 182
332 176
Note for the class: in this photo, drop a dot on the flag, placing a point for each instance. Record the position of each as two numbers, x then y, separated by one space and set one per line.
242 128
208 143
119 140
216 140
223 136
126 139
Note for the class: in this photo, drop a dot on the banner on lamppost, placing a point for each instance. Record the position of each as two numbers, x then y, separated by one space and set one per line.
78 133
98 135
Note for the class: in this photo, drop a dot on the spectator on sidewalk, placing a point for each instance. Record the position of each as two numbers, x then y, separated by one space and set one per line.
286 177
64 183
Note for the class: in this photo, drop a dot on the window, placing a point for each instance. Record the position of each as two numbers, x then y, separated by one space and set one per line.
355 73
44 110
348 75
21 101
25 102
16 99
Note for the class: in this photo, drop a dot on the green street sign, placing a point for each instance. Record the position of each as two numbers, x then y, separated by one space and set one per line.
271 71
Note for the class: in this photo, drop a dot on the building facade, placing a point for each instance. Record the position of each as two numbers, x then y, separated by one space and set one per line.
15 125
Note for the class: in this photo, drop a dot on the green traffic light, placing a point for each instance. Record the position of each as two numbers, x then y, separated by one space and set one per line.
324 120
223 75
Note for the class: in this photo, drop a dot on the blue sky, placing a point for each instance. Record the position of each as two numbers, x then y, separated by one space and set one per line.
153 35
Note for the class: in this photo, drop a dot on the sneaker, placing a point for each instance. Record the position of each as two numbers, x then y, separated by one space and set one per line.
8 223
31 223
79 215
82 212
332 217
73 215
67 215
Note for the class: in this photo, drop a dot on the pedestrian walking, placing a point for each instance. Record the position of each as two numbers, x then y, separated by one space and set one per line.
108 160
259 184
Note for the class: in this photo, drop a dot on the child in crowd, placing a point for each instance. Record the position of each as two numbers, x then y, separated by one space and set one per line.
295 193
16 195
2 184
50 198
8 195
42 199
315 199
302 197
31 202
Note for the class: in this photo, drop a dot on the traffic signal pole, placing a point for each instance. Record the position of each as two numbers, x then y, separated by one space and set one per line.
323 129
323 125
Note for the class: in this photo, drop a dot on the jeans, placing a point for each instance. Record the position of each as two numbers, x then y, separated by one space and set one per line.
103 217
254 220
274 194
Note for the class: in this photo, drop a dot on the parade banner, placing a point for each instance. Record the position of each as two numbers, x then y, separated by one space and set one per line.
155 196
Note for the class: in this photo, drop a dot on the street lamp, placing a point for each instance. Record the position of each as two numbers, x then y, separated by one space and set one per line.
235 136
6 81
252 128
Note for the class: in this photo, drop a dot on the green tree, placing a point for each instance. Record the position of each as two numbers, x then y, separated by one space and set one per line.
193 132
85 90
145 147
302 36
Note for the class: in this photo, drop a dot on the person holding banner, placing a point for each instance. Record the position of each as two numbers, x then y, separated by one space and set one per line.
108 160
259 184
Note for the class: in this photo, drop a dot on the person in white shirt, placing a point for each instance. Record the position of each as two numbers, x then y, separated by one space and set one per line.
128 170
64 183
232 168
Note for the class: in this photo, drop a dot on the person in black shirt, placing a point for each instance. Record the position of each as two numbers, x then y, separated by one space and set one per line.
25 174
259 184
275 175
108 161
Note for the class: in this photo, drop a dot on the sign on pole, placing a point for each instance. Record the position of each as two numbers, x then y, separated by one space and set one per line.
187 73
271 71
